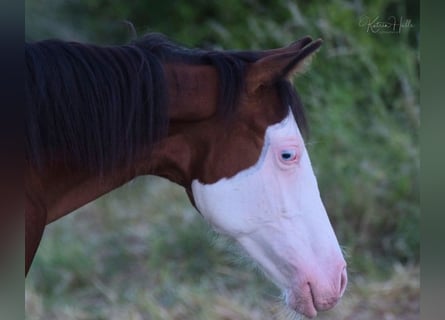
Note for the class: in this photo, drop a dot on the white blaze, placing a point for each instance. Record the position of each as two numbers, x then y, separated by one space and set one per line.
273 209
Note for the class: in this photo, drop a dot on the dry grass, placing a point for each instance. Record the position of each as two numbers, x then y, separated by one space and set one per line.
395 298
143 253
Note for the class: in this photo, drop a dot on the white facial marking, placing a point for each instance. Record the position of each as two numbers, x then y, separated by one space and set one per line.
274 210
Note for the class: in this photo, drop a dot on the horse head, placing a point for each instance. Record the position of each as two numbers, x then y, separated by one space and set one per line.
251 178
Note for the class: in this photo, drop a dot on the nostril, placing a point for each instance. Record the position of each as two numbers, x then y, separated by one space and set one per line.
343 281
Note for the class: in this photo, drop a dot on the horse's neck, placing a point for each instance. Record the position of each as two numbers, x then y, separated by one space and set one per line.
192 91
192 97
61 191
193 94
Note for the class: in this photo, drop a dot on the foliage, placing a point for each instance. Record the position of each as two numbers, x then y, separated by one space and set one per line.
362 99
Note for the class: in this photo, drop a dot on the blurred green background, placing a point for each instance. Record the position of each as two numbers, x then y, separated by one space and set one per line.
142 252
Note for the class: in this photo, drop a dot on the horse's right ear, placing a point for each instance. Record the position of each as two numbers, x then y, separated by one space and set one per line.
281 63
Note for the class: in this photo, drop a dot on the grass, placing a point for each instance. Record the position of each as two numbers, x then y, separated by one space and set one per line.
142 252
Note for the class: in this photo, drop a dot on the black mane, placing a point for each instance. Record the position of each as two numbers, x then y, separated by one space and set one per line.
95 106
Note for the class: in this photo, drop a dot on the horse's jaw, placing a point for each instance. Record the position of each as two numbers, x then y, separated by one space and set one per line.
274 211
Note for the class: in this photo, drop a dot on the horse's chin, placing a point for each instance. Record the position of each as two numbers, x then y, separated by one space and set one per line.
302 303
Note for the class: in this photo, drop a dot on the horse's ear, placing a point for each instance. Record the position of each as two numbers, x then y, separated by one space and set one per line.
282 63
297 45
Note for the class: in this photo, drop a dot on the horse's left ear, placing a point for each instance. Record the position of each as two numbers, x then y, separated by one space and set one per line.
285 63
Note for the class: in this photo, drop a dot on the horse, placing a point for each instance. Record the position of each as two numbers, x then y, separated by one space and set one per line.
227 126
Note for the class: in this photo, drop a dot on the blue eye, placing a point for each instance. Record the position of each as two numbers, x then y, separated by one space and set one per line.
288 155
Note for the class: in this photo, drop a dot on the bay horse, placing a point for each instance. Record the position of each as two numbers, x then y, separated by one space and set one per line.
225 125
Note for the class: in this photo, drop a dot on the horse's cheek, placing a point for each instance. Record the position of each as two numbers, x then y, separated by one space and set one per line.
223 205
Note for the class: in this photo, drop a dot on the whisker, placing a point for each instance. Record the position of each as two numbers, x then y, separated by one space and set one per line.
312 142
282 312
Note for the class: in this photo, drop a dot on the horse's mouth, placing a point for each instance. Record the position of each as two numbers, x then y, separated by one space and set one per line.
303 301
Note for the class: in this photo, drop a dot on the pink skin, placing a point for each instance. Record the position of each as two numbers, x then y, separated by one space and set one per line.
274 211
